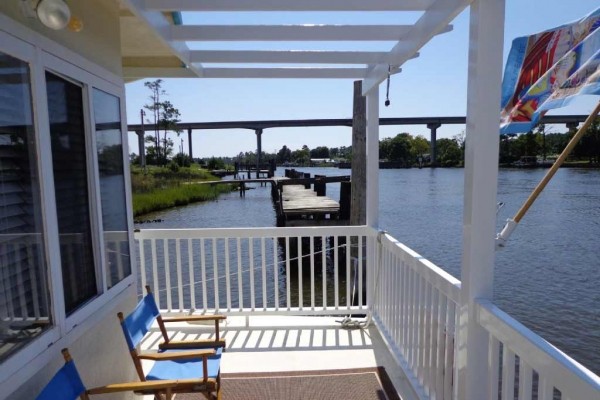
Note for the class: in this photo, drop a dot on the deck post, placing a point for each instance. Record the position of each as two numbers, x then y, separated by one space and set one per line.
372 219
359 147
433 128
486 35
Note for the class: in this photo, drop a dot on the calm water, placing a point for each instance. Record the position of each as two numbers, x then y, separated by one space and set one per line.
548 277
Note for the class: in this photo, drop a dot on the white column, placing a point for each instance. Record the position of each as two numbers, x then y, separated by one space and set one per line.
486 35
373 157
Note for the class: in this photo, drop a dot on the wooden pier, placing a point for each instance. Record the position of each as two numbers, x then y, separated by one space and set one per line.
301 201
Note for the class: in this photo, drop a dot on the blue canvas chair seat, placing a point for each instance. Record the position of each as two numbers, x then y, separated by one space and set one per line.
199 367
148 311
67 385
168 369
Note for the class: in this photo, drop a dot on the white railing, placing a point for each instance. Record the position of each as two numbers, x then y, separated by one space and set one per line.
525 363
23 288
310 271
415 306
257 270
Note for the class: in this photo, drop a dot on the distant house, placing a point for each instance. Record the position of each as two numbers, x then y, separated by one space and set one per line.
322 161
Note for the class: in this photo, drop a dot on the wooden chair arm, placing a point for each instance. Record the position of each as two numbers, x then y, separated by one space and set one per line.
178 355
192 344
190 318
134 386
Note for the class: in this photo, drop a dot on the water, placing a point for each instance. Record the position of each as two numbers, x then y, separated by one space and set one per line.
547 277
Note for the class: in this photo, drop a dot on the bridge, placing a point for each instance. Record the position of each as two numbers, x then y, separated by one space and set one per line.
432 123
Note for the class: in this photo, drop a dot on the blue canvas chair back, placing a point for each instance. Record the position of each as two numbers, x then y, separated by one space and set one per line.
65 385
137 324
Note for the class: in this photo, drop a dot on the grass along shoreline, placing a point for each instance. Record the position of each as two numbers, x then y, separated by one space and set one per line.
160 188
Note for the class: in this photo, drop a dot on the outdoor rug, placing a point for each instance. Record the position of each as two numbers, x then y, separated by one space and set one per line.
344 384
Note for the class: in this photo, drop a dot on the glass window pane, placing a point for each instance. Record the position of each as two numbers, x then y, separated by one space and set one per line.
67 134
109 143
24 292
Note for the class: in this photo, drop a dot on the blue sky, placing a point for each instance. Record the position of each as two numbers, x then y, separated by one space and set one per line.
432 85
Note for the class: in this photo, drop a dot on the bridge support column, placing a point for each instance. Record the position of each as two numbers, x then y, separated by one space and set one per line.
141 148
190 144
572 126
258 150
433 128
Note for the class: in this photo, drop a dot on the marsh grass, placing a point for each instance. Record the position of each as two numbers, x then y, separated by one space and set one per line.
161 188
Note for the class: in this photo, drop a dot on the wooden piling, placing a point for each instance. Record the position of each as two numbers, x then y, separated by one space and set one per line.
358 203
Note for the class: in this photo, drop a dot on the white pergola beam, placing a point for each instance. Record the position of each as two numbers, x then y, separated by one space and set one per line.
290 57
434 21
288 33
162 27
286 73
287 5
157 72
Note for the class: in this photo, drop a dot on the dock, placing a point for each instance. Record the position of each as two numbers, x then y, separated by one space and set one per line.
300 200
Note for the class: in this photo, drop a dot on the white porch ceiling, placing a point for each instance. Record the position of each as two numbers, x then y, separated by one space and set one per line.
154 45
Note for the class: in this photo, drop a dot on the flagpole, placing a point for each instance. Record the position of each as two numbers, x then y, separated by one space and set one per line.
511 224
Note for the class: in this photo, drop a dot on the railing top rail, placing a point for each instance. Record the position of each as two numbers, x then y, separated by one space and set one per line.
566 374
254 232
434 274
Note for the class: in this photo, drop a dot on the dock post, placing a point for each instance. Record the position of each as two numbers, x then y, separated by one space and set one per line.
306 176
345 199
320 185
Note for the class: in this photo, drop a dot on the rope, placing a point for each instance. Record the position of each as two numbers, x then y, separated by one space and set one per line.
260 266
349 323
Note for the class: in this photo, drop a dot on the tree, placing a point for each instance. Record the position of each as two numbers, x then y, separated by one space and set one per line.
215 163
165 117
284 155
153 108
589 145
319 152
301 156
384 148
399 150
449 153
419 146
169 117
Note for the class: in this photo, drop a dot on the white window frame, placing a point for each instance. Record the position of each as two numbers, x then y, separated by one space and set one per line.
43 54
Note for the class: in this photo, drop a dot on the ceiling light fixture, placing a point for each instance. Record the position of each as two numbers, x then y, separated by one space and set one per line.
55 14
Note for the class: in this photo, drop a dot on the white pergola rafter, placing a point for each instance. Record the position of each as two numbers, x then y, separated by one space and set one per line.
162 27
433 21
371 66
287 5
286 73
292 57
290 33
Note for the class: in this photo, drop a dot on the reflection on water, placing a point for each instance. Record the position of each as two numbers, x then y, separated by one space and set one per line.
546 278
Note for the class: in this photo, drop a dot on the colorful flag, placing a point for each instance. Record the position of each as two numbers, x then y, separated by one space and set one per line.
547 70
